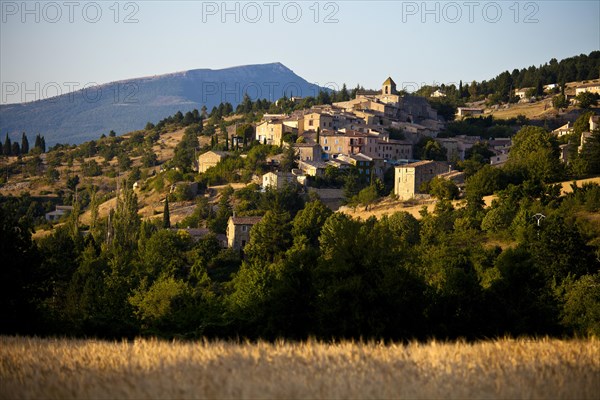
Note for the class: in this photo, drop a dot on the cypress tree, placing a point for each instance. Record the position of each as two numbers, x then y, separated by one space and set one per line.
24 144
7 148
16 149
166 216
38 142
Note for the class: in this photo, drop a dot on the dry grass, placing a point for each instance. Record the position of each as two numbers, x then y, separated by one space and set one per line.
389 206
57 369
539 110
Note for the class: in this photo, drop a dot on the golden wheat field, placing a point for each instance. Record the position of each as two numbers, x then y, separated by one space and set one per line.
88 369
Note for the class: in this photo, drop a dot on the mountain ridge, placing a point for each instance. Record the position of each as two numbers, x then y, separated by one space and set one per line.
127 105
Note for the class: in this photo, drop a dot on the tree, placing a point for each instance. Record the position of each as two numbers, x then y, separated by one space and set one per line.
560 102
246 131
19 264
520 300
309 220
124 161
403 226
149 158
185 150
156 305
582 123
443 189
534 154
125 223
218 224
72 183
24 144
367 196
16 149
7 147
590 152
288 160
587 99
91 168
344 95
560 251
166 216
270 237
581 310
430 149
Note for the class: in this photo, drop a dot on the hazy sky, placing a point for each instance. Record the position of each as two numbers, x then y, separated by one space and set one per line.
47 47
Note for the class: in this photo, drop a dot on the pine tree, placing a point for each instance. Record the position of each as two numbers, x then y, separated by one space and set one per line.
166 215
24 144
43 144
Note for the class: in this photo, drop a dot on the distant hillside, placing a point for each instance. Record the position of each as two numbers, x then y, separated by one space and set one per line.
126 106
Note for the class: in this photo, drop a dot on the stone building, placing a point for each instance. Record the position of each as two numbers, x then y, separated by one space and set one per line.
238 231
409 178
210 159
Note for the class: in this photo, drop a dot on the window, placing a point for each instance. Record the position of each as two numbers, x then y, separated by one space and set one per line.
326 148
244 228
326 141
310 123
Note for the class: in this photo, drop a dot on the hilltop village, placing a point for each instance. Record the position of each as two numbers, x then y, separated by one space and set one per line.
353 214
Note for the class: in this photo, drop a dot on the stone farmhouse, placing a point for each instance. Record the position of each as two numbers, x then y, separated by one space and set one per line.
238 231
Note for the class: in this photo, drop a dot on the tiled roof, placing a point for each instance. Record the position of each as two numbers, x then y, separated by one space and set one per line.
246 220
418 163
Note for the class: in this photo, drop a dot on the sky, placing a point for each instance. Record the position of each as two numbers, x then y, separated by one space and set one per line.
49 48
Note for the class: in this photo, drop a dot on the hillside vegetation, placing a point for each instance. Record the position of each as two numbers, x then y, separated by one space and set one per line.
63 369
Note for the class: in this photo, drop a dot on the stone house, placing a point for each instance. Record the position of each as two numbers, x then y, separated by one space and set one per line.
238 231
319 120
409 178
312 168
273 131
210 159
308 151
278 180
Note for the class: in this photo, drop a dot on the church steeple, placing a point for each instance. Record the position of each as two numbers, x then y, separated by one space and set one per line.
388 87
